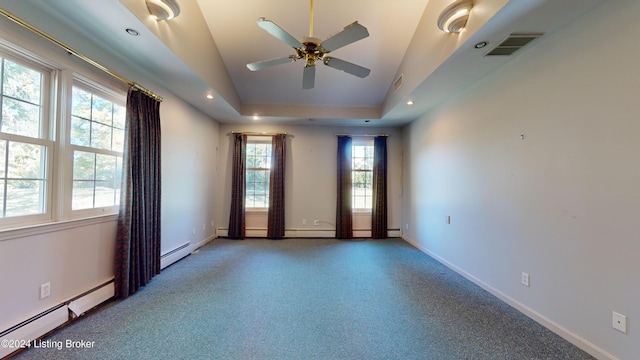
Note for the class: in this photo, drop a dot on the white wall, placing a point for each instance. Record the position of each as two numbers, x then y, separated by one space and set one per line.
562 204
310 179
76 256
189 174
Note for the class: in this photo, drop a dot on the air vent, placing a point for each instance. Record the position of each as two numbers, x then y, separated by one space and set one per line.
512 44
397 84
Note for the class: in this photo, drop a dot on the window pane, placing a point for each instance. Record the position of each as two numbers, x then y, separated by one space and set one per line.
118 140
80 131
3 164
119 116
261 201
102 111
81 103
105 167
21 82
100 136
83 166
82 197
2 214
24 197
26 161
105 193
20 118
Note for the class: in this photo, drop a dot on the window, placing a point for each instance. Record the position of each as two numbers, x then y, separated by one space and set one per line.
97 142
362 177
25 146
257 174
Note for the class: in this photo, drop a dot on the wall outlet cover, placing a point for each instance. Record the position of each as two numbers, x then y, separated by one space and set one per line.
619 322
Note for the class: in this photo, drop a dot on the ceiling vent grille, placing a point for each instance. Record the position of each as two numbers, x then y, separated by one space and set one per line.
397 84
512 44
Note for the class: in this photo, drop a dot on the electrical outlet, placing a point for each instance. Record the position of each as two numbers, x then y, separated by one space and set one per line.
45 290
212 223
316 222
406 226
204 227
304 221
619 322
525 279
193 231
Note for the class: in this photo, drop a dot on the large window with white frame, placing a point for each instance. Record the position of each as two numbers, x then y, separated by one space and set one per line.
26 144
362 175
258 171
58 160
96 139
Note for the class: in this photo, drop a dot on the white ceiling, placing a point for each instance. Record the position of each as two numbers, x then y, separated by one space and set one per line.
241 41
205 50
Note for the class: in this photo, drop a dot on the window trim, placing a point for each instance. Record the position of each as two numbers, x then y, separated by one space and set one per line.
46 137
257 139
360 141
61 73
94 88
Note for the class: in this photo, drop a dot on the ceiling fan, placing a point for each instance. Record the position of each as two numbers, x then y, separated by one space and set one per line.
312 49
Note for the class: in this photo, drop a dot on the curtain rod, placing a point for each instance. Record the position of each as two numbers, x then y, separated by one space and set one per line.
258 133
76 53
374 135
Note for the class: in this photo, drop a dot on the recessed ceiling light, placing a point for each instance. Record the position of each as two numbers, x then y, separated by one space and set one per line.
410 102
256 117
481 44
132 32
209 96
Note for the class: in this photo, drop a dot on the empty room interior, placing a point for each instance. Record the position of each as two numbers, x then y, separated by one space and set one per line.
508 131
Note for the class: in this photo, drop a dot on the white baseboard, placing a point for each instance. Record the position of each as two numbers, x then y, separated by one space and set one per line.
21 336
307 233
202 243
576 340
92 299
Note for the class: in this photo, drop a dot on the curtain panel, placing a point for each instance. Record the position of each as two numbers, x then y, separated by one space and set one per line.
379 193
137 257
344 222
275 222
236 216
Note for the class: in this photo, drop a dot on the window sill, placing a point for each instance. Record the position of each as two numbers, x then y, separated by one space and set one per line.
256 210
361 211
25 231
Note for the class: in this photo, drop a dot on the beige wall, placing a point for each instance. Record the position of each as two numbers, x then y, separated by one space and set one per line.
76 256
561 204
310 179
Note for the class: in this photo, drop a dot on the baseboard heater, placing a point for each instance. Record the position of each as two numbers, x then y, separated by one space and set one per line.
175 254
309 233
47 321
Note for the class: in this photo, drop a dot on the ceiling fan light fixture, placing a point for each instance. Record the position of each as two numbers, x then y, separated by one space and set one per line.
163 9
454 17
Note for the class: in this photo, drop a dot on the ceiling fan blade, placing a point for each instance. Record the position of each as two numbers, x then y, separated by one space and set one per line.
309 77
277 32
350 34
346 66
259 65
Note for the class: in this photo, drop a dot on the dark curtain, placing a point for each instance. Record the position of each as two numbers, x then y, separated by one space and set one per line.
236 217
344 223
379 194
137 257
275 225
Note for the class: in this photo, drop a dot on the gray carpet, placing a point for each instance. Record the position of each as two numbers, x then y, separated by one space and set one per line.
309 299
